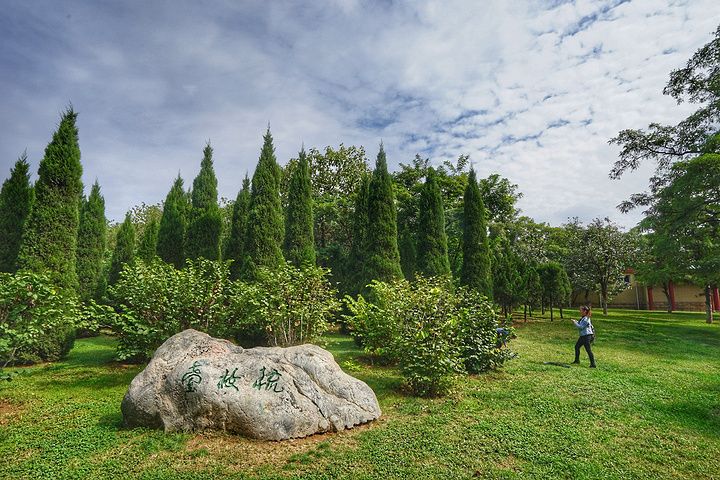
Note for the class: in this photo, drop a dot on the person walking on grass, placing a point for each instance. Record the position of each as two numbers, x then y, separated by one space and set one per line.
587 335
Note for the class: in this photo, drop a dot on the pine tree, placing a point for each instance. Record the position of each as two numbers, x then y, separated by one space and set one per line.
299 238
173 223
50 238
91 243
356 269
235 244
16 199
203 233
124 249
432 251
147 249
264 236
383 256
476 267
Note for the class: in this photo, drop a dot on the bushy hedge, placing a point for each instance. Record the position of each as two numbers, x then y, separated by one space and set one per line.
285 306
433 331
37 319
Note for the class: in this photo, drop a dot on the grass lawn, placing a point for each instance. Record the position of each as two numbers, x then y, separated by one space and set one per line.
650 410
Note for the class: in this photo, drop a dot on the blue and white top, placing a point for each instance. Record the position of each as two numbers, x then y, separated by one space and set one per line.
585 326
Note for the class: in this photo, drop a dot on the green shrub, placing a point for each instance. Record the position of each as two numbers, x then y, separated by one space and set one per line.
432 330
155 301
287 305
37 319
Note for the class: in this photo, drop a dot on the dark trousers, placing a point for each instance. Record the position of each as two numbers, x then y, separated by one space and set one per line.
585 341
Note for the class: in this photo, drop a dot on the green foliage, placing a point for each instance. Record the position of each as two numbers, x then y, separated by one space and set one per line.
432 253
156 301
357 274
124 252
555 285
383 256
91 243
16 199
288 305
506 272
37 319
50 238
499 197
696 83
299 240
238 227
173 224
203 231
147 248
476 266
431 330
265 228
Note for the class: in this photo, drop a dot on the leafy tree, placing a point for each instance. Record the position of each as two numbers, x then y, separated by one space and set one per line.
531 287
147 248
171 234
265 233
555 285
299 240
698 82
16 199
50 238
92 235
499 197
505 273
572 240
383 256
476 269
606 252
432 254
654 263
687 213
124 249
203 231
238 227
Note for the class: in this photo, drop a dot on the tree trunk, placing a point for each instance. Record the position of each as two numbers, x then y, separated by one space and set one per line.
603 299
708 305
666 291
561 314
525 312
551 309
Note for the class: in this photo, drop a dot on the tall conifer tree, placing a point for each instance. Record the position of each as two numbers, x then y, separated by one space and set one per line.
91 243
147 248
264 236
356 269
235 243
476 267
124 249
203 233
173 223
15 202
432 251
50 238
299 238
383 256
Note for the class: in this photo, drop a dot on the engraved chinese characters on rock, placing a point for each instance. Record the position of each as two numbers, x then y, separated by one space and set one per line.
268 380
192 377
228 380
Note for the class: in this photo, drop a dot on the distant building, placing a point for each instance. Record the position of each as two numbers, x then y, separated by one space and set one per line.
637 296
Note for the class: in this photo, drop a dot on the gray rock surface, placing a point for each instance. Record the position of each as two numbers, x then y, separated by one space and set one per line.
197 382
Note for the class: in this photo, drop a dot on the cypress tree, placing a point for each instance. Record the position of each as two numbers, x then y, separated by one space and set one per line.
16 199
234 247
147 249
432 251
299 238
50 238
383 256
203 233
356 270
91 243
124 249
264 236
476 267
173 223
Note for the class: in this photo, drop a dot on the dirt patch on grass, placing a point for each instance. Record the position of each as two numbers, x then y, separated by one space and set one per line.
9 410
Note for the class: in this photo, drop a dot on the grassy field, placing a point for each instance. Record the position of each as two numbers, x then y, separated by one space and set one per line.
650 410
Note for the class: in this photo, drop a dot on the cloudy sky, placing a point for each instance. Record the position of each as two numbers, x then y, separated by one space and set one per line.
531 90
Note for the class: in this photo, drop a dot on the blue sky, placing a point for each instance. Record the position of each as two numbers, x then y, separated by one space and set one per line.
531 90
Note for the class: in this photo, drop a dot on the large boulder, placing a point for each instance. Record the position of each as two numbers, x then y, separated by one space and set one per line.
197 382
